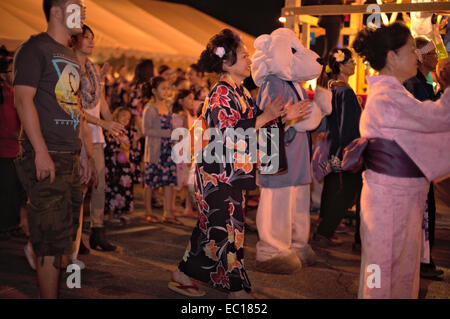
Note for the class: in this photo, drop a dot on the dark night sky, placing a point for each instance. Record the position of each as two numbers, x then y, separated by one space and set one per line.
254 17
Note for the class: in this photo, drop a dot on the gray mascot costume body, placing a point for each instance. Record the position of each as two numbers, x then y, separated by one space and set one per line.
280 62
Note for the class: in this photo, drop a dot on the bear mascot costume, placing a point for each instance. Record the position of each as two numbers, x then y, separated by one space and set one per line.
280 62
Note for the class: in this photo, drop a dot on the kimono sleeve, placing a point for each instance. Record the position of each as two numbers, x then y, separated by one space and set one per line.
352 115
414 115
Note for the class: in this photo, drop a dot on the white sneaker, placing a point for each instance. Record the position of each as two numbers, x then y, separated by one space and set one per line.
79 263
30 256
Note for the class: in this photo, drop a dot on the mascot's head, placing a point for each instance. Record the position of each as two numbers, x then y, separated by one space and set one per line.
282 54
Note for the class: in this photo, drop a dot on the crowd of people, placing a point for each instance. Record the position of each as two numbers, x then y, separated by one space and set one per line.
89 136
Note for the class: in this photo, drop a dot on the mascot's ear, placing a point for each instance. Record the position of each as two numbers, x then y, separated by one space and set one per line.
263 42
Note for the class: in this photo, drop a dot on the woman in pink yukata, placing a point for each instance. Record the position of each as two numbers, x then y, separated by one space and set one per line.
407 147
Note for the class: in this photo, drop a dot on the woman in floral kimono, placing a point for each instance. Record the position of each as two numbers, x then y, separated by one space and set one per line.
407 147
215 252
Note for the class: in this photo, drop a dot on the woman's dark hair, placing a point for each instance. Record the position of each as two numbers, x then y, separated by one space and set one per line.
163 68
153 84
200 109
179 80
331 68
196 68
177 107
211 62
156 81
144 71
87 28
74 38
250 84
146 90
4 65
374 44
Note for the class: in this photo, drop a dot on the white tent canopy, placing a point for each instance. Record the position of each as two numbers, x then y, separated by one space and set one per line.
134 28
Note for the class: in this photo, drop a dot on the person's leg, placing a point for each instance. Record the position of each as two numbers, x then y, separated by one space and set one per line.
340 196
180 278
432 223
98 237
28 249
316 193
76 243
9 195
78 194
391 211
352 183
377 240
168 201
357 238
188 202
98 194
148 201
301 224
325 194
24 221
53 216
48 277
176 192
429 270
331 205
274 222
407 246
149 216
431 215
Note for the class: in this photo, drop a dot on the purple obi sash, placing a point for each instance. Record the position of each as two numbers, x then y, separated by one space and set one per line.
381 156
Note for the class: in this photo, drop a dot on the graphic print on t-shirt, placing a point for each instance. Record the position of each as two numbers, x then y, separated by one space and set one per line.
66 90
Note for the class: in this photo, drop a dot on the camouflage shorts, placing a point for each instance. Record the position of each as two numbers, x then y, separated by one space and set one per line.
53 209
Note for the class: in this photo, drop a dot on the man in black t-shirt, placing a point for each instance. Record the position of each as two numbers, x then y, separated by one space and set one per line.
46 84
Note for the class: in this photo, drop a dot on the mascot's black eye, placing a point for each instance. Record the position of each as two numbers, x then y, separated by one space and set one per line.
293 51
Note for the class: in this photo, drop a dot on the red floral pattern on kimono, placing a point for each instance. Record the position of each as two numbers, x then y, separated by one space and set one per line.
220 97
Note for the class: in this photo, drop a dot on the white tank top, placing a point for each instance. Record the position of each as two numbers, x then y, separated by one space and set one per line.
96 131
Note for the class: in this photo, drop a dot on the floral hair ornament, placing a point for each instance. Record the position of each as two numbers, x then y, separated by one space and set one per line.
339 56
220 52
328 69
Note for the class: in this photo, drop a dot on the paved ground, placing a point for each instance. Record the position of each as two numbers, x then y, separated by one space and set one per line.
148 253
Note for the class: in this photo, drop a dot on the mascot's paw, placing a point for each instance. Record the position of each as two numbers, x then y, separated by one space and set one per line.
307 256
280 264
